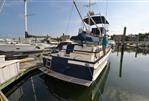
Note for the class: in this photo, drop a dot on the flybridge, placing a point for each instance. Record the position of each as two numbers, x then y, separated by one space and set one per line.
97 19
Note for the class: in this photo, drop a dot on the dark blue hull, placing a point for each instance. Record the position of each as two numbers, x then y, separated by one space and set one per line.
62 66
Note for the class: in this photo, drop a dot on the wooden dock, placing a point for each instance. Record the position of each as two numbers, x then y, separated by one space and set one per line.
26 65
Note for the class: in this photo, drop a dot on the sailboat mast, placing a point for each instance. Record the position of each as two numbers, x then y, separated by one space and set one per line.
89 10
25 17
89 5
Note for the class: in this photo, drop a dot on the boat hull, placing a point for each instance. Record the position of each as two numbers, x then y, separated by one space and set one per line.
77 72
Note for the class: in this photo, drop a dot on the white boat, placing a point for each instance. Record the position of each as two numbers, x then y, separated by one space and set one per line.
81 60
46 45
7 46
10 45
19 48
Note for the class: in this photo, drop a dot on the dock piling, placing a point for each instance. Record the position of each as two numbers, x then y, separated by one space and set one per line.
122 52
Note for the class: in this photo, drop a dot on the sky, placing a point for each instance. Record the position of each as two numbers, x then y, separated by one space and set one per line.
54 17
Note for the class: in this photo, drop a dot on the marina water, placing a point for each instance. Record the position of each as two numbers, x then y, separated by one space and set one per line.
126 80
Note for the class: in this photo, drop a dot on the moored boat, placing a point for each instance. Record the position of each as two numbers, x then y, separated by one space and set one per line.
81 60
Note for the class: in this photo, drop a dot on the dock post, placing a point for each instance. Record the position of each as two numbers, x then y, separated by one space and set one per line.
122 52
124 34
118 46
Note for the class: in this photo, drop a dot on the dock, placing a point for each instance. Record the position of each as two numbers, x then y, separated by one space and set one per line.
13 70
26 65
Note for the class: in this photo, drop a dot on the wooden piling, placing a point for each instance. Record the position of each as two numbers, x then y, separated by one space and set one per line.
122 52
124 34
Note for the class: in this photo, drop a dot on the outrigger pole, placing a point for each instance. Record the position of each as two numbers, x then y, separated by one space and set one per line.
90 18
95 24
88 14
79 14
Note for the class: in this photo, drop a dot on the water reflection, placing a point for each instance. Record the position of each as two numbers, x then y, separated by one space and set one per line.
121 61
120 49
138 50
70 92
39 87
130 62
17 94
18 90
136 53
123 48
108 87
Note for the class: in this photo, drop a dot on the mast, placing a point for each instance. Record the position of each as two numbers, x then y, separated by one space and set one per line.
89 5
25 18
89 10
